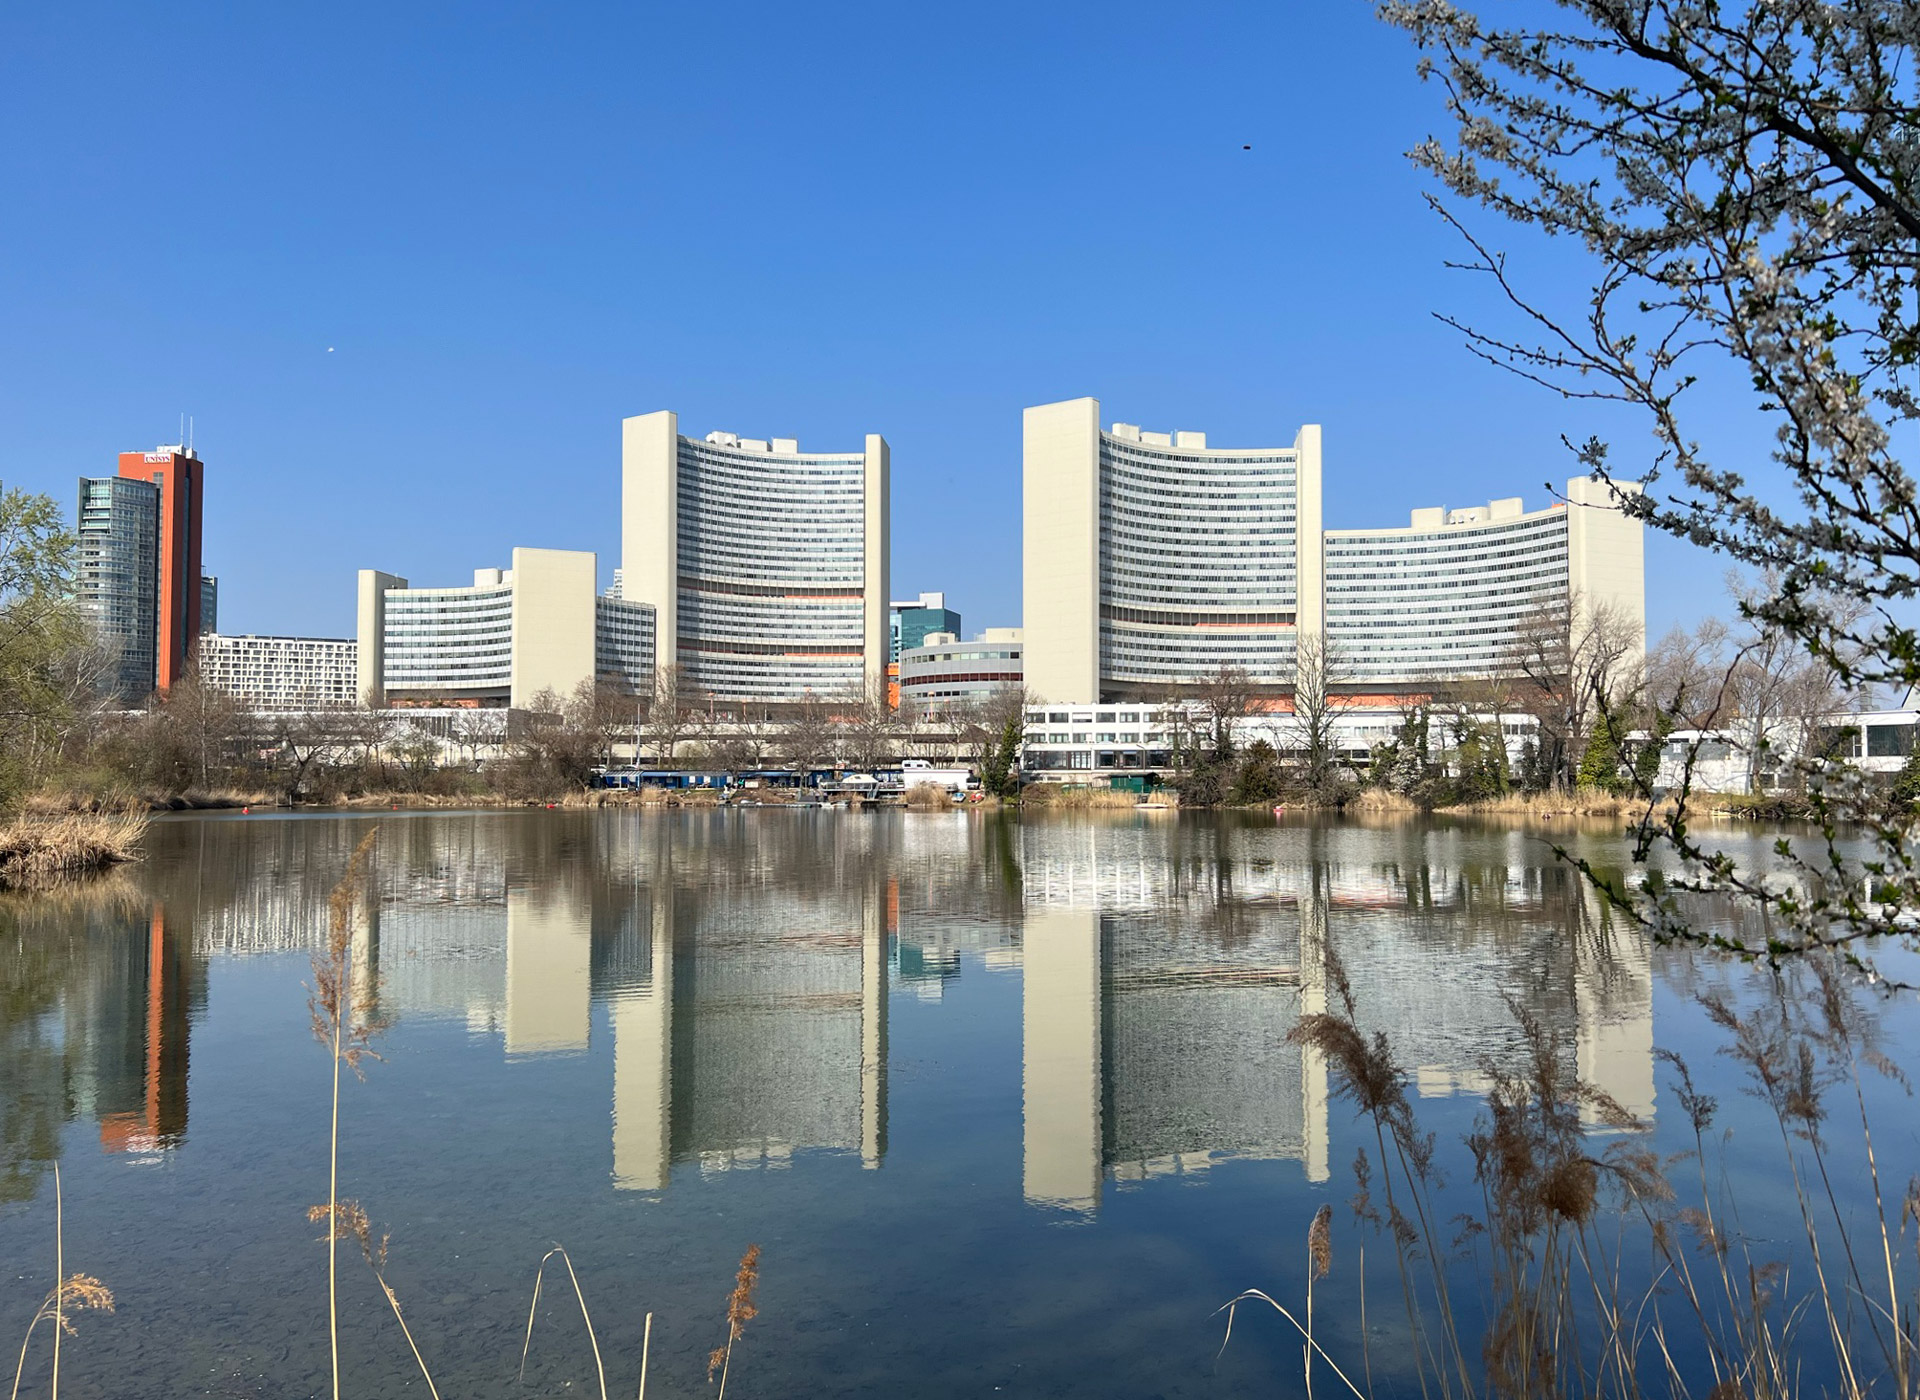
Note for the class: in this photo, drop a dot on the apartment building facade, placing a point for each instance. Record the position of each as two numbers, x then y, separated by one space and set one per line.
281 673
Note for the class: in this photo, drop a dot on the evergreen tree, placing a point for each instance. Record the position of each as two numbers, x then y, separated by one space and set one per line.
1600 767
1258 778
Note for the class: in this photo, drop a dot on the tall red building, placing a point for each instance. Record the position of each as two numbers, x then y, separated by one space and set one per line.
177 472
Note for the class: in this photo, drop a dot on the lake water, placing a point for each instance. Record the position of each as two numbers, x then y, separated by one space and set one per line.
1008 1105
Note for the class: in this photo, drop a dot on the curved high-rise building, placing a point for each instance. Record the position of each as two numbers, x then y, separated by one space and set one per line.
766 566
1455 595
1152 559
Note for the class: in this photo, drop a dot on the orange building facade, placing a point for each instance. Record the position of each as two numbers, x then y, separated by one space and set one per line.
178 474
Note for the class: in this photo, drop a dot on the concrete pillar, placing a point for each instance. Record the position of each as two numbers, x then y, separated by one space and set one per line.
1310 554
875 632
650 524
1061 552
873 1028
553 623
371 635
1313 1001
1613 999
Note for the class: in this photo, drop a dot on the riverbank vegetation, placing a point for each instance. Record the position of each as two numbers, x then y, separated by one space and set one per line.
38 851
1551 1252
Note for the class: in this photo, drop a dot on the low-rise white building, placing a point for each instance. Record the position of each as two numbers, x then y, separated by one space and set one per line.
944 671
280 673
1760 757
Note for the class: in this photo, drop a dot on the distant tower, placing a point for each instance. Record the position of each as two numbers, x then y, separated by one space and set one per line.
139 577
209 604
118 576
176 473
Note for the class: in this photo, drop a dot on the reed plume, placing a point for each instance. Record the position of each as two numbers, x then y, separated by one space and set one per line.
740 1311
346 1029
71 1293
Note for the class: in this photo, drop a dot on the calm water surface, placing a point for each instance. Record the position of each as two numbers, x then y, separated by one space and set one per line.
1009 1106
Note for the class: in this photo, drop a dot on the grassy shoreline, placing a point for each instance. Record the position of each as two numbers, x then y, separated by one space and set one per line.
36 852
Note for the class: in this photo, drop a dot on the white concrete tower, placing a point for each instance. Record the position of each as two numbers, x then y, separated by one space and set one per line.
1152 559
766 566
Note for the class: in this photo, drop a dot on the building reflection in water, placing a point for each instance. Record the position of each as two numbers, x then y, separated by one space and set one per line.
99 991
141 1034
743 967
1159 992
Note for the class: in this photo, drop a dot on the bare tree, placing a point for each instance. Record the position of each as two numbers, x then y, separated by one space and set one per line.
309 742
1227 693
868 727
806 734
668 714
1574 668
477 729
1315 672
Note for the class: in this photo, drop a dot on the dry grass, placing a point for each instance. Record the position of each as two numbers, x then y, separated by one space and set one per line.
1584 802
1375 801
60 802
1061 798
1565 1220
41 851
929 797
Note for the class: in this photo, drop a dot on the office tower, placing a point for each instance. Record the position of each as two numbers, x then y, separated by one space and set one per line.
1456 594
117 579
1153 560
176 475
766 566
512 636
911 622
209 604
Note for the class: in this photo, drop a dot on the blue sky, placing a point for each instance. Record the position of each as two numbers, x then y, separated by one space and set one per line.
514 225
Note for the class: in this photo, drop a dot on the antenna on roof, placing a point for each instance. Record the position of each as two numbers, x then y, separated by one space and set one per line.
183 429
189 434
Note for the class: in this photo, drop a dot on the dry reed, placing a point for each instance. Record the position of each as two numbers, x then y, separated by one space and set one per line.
741 1310
1550 1240
929 796
1058 797
71 1293
346 1028
581 1297
40 851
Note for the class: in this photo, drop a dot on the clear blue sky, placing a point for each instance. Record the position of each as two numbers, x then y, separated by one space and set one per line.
514 225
